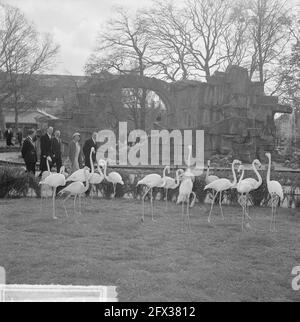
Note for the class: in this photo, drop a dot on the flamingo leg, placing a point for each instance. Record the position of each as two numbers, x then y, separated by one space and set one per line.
182 216
54 195
247 207
64 205
92 192
220 202
166 199
115 190
274 211
152 206
272 204
75 204
79 197
188 214
143 198
41 199
212 206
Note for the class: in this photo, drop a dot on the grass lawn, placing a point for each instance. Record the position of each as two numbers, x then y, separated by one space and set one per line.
151 261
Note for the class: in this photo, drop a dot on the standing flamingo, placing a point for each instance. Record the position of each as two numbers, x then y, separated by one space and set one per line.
171 184
276 193
221 185
95 178
76 189
55 180
113 177
151 181
79 175
45 174
255 183
185 191
244 187
209 178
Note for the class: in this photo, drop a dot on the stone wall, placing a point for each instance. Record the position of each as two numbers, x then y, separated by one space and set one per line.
237 116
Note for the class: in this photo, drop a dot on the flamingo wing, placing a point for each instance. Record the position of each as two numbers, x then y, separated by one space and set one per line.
219 185
275 188
115 177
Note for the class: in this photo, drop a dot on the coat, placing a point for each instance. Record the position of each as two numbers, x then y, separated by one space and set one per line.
28 151
56 148
88 145
72 153
46 145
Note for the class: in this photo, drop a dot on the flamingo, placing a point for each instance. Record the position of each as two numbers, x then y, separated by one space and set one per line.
171 184
151 181
55 180
45 174
76 189
95 178
221 185
255 183
244 187
79 175
209 178
276 192
113 177
185 191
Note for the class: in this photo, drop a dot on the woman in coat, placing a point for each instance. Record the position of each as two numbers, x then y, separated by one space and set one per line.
75 153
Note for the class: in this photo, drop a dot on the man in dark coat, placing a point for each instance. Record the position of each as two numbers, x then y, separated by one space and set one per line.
88 145
56 151
46 147
20 137
29 152
9 136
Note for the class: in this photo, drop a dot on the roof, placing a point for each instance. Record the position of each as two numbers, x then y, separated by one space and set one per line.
29 117
24 118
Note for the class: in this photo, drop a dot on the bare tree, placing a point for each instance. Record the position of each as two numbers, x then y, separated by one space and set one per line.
269 22
168 30
24 53
209 20
27 54
123 49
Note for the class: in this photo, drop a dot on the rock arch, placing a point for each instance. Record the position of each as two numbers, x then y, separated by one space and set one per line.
117 83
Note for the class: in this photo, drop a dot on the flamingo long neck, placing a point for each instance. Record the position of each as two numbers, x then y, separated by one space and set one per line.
165 171
105 170
92 163
208 168
269 171
242 176
257 174
234 175
177 181
99 170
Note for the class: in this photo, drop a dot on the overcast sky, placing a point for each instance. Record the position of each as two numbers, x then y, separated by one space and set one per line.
74 25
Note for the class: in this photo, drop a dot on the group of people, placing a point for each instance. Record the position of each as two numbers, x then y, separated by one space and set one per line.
51 151
9 135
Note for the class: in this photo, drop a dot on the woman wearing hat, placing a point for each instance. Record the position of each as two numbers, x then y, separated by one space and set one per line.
75 152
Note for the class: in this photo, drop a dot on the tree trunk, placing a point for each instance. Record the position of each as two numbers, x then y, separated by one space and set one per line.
16 115
2 121
143 104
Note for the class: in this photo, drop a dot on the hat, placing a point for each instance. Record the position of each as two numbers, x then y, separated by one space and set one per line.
76 134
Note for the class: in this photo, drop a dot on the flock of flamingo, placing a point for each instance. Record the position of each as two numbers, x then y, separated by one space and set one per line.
78 183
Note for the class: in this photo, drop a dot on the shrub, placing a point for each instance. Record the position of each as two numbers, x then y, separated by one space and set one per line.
15 183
